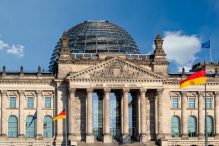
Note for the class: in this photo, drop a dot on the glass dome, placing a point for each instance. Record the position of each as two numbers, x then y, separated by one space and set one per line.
100 36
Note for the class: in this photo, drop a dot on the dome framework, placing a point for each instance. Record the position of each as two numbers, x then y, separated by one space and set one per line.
97 37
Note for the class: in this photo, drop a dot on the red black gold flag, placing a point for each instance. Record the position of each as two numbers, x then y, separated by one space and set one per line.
62 115
196 78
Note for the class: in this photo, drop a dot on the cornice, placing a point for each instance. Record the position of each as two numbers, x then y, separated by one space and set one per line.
177 83
116 80
27 81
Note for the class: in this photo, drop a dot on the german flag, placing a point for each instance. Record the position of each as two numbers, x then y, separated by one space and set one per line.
196 78
62 115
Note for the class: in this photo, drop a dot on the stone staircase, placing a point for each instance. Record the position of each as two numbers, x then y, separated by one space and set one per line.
115 143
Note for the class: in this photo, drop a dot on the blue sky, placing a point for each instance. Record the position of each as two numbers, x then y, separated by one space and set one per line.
29 30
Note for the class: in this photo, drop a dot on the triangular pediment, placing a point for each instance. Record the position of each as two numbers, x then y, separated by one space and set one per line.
115 68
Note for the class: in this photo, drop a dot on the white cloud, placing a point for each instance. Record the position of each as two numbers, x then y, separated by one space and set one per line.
3 45
181 48
17 50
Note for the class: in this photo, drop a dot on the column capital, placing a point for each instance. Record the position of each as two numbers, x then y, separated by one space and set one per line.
4 92
39 92
143 90
216 93
125 90
107 90
159 91
21 92
183 93
200 93
72 90
89 90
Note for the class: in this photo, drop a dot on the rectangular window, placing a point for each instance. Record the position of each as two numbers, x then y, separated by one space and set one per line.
208 103
47 102
12 102
30 102
175 103
191 102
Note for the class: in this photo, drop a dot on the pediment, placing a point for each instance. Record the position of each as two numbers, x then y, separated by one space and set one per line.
115 68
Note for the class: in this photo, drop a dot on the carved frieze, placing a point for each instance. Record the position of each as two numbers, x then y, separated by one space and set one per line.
117 70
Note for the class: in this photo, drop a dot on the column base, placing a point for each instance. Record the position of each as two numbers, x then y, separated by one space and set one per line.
125 138
21 136
160 136
143 138
107 138
3 136
39 137
89 138
184 136
201 136
217 136
72 137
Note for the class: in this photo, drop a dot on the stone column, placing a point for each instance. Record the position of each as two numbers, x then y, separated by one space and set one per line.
216 114
201 115
106 117
39 105
3 115
143 137
183 115
21 117
59 106
156 114
125 117
160 134
71 120
89 136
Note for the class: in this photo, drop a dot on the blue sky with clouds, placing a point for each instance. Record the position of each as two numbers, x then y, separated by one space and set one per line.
30 29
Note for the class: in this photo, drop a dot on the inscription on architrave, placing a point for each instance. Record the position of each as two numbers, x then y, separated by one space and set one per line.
116 85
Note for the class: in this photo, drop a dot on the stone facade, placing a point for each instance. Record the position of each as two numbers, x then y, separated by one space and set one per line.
73 83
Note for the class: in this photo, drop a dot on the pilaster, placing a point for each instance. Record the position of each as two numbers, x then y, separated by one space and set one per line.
183 115
21 113
160 134
200 116
4 116
40 118
216 114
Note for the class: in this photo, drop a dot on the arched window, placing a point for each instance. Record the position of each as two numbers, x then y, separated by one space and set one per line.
175 126
192 126
12 126
47 127
210 127
30 127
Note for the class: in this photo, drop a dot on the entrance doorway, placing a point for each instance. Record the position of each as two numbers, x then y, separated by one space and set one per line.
115 114
97 106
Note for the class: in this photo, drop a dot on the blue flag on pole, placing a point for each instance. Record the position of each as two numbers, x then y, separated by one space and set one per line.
34 118
206 44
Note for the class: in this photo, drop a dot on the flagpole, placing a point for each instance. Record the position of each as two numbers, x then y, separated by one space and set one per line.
206 133
210 50
66 139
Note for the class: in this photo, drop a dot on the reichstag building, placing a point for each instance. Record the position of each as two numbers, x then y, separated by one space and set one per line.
112 94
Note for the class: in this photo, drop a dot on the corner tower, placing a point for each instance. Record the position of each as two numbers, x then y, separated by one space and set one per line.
159 62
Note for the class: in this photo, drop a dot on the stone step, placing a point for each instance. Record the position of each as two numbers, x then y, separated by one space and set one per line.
115 143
